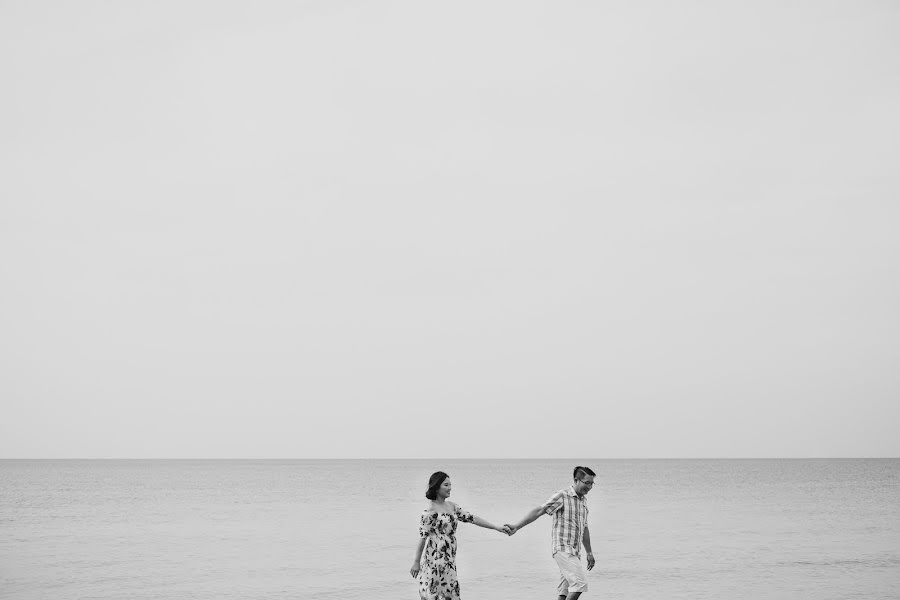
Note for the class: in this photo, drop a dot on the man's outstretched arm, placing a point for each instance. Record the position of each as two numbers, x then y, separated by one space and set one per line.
530 517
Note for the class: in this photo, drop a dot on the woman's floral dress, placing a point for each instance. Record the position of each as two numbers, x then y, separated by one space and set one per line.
437 576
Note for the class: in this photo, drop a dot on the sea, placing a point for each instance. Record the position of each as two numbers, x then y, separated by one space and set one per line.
309 529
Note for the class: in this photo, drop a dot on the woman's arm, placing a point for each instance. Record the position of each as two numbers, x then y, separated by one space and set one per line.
482 523
415 567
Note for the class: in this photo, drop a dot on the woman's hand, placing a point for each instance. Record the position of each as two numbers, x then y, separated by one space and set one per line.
415 570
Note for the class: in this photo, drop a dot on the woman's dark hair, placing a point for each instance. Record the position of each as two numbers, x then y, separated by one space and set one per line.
580 472
434 482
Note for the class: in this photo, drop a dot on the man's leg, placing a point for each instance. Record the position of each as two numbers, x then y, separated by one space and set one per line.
572 574
563 588
570 596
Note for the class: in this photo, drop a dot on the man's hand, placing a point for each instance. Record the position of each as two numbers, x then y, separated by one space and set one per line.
510 529
590 557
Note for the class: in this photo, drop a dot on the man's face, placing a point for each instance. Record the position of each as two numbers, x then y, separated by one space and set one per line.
584 484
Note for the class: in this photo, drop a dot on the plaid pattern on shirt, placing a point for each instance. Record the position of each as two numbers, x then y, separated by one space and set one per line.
570 515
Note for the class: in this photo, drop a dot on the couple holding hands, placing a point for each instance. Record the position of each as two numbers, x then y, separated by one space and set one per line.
435 562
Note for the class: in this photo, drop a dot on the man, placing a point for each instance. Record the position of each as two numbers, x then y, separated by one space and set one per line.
569 531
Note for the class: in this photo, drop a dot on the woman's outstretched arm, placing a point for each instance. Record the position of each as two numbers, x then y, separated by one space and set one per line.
482 523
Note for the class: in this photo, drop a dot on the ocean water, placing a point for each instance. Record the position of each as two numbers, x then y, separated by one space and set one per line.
661 529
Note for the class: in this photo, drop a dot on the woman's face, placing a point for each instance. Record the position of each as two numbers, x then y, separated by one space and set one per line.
444 490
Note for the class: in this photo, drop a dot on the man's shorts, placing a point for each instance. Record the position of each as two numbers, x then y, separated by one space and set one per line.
573 576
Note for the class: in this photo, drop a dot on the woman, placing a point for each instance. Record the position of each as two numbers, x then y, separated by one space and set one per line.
435 563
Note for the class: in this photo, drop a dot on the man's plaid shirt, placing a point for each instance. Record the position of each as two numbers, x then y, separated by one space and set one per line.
570 515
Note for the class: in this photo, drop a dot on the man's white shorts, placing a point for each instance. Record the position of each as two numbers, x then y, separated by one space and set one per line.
573 576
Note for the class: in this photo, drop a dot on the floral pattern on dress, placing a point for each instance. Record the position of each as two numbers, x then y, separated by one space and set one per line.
437 575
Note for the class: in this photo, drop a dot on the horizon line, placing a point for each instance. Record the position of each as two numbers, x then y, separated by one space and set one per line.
452 458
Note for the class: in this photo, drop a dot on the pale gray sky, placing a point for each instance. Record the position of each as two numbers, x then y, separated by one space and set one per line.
468 229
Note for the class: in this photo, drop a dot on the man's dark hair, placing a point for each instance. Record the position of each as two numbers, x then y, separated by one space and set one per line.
580 472
434 482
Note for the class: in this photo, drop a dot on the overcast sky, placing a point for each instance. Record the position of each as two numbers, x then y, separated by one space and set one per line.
467 229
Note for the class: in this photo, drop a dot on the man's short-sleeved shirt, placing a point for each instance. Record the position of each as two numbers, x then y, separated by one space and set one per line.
570 514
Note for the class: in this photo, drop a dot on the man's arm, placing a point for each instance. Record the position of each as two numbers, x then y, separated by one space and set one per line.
530 517
586 540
